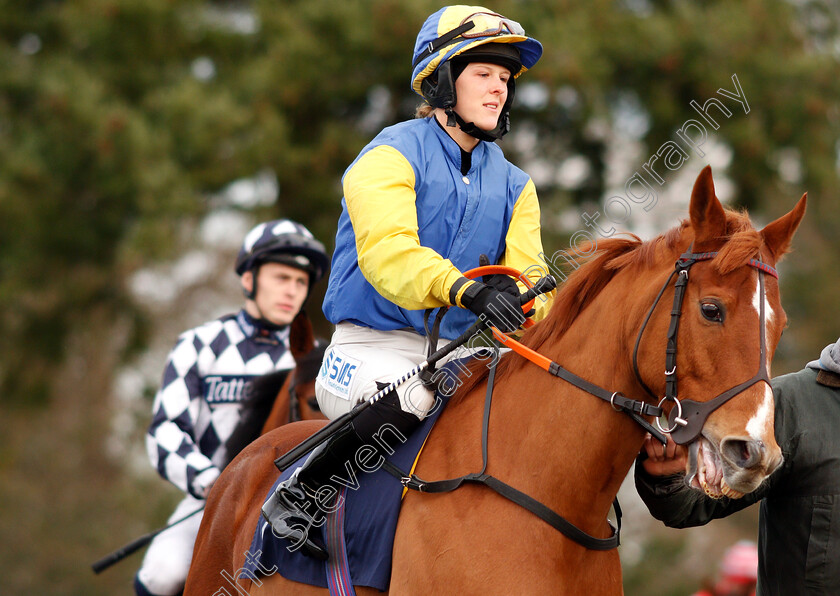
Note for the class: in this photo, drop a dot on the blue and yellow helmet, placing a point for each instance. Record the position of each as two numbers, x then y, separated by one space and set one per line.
472 33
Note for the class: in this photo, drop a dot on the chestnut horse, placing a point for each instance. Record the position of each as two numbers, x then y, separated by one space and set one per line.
553 441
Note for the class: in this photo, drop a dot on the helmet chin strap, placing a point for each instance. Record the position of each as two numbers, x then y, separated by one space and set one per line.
502 128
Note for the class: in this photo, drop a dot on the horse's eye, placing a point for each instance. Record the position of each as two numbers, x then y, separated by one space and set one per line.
313 404
712 311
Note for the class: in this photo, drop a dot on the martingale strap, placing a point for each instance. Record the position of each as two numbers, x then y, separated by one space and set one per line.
634 408
554 519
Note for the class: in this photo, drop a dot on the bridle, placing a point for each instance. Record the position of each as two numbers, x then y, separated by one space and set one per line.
687 417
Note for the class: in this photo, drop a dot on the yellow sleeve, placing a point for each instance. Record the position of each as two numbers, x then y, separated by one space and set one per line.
524 245
380 198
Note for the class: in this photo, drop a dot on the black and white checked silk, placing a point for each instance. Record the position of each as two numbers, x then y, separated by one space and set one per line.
199 403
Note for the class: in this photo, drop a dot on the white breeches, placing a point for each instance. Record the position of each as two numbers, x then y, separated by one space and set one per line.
167 561
358 357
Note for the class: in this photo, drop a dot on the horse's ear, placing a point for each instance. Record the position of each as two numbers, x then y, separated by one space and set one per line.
708 218
778 234
301 336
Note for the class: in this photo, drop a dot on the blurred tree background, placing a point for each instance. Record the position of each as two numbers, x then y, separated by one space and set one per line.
126 124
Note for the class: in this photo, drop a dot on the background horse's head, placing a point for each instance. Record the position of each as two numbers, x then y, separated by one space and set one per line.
729 325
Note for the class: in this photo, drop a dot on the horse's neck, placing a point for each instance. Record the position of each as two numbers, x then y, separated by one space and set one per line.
561 445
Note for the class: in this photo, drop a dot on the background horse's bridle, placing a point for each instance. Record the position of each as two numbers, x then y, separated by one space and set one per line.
687 417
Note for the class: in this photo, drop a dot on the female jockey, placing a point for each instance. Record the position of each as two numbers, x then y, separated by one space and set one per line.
207 377
422 202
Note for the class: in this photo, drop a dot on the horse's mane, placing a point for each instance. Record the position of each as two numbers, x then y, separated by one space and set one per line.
610 255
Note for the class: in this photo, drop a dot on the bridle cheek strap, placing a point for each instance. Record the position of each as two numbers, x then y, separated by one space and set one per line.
687 417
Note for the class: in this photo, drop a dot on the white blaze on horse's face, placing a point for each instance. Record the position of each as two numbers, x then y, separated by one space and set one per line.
762 421
730 460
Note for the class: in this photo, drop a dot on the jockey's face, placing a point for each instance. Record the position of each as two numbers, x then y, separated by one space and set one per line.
481 91
281 291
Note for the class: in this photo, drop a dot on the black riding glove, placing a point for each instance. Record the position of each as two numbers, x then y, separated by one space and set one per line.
499 309
498 281
501 282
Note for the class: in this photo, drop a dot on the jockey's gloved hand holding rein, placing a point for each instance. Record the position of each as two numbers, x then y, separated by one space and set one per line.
501 282
499 309
498 281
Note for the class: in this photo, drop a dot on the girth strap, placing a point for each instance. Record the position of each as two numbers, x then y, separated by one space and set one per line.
555 520
512 494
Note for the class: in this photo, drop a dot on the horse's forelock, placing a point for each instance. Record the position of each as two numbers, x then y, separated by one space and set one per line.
742 244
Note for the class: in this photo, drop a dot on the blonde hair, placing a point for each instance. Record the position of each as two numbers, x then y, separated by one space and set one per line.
424 110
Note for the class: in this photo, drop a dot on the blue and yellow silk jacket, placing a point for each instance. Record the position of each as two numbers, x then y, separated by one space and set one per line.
411 223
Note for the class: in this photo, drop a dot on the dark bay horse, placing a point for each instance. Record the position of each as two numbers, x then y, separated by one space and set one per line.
296 399
553 441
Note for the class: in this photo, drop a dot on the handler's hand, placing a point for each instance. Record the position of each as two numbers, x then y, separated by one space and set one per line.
664 460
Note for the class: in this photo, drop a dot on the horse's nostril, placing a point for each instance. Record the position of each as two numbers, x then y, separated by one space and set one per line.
744 454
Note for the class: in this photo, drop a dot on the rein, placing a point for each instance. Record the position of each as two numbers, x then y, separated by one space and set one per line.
633 407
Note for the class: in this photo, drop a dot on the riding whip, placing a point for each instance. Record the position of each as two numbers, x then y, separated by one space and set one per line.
543 285
135 545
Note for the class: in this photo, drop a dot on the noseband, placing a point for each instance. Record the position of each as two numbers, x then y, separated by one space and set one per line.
687 417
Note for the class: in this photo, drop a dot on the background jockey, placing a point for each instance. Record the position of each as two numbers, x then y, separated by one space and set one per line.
422 202
207 377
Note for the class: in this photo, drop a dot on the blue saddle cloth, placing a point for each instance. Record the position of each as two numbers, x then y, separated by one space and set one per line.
371 510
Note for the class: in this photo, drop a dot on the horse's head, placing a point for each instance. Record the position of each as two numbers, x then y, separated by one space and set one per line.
729 324
300 386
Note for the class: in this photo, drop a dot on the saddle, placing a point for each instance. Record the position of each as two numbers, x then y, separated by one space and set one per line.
359 531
